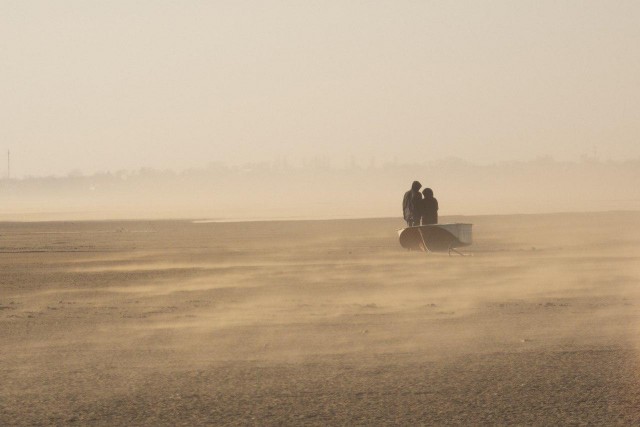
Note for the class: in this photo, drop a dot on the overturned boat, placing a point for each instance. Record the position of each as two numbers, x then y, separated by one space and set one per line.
436 237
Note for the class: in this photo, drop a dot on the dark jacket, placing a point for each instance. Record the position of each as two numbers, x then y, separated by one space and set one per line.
429 210
411 203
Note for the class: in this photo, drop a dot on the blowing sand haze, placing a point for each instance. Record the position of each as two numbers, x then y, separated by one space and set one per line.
200 205
320 322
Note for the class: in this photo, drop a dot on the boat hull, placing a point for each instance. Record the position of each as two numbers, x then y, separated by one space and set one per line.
436 237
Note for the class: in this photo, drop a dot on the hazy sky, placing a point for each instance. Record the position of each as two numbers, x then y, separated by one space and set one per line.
106 85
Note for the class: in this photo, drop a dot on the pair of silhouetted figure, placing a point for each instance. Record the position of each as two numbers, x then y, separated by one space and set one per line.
419 208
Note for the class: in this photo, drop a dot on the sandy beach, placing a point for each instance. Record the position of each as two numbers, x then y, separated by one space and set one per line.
320 323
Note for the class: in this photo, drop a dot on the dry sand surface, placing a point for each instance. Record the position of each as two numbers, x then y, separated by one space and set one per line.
320 322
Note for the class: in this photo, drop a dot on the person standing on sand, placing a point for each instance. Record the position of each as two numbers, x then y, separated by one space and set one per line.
429 207
411 204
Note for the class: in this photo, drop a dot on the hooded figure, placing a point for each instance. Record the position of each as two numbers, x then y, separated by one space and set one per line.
411 204
429 207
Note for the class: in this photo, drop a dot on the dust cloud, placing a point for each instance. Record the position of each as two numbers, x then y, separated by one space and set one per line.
320 190
316 322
